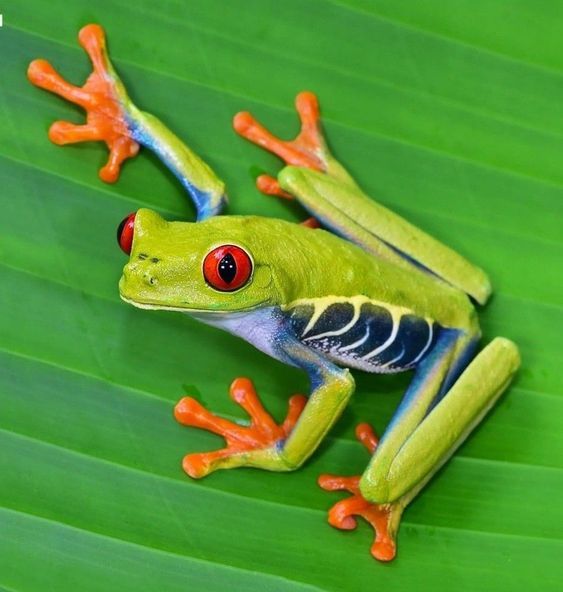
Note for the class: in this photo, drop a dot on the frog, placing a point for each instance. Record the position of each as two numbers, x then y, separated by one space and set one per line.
353 287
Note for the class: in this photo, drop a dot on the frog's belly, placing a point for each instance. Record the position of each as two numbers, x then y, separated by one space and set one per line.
360 333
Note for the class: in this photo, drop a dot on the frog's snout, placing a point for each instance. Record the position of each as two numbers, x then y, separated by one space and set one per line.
144 269
150 279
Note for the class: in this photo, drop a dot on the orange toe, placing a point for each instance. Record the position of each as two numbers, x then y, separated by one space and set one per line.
262 433
101 97
308 149
382 517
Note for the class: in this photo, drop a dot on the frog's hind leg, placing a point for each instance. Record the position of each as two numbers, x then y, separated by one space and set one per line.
327 191
307 150
423 435
384 518
384 515
425 431
270 186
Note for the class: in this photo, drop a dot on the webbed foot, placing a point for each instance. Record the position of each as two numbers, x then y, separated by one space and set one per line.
255 445
102 97
384 518
307 150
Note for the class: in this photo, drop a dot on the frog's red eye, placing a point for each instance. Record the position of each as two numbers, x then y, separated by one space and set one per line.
227 268
125 233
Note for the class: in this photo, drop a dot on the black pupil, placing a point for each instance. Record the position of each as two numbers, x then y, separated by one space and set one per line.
227 268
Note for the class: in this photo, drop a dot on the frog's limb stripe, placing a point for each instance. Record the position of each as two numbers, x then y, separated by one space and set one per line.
380 231
343 315
113 118
384 518
327 315
417 443
383 347
251 445
364 334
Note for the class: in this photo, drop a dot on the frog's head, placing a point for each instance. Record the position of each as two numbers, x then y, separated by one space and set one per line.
209 266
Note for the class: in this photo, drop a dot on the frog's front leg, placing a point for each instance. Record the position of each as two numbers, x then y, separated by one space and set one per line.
114 119
264 444
245 444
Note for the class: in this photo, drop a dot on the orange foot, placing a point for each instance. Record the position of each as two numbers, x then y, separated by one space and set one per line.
308 149
102 97
253 445
383 518
270 186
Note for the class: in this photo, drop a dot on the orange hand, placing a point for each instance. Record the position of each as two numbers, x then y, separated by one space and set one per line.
106 117
262 433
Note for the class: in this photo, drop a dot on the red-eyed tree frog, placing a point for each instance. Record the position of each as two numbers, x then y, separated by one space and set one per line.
369 292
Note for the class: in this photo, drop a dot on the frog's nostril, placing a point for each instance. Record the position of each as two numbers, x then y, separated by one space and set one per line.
150 279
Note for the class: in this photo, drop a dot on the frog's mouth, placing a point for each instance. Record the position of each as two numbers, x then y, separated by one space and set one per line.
151 305
146 304
154 305
204 312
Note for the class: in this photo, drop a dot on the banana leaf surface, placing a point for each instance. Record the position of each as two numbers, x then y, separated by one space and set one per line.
449 113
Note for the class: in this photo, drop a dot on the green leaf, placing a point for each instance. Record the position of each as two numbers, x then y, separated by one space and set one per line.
450 114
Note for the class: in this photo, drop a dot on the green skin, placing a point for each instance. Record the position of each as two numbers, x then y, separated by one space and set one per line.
374 255
392 263
294 269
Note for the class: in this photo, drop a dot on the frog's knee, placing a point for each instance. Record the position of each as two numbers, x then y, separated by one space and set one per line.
376 490
292 178
343 384
376 493
508 350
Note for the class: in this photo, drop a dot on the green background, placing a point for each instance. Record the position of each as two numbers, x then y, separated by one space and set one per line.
451 113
